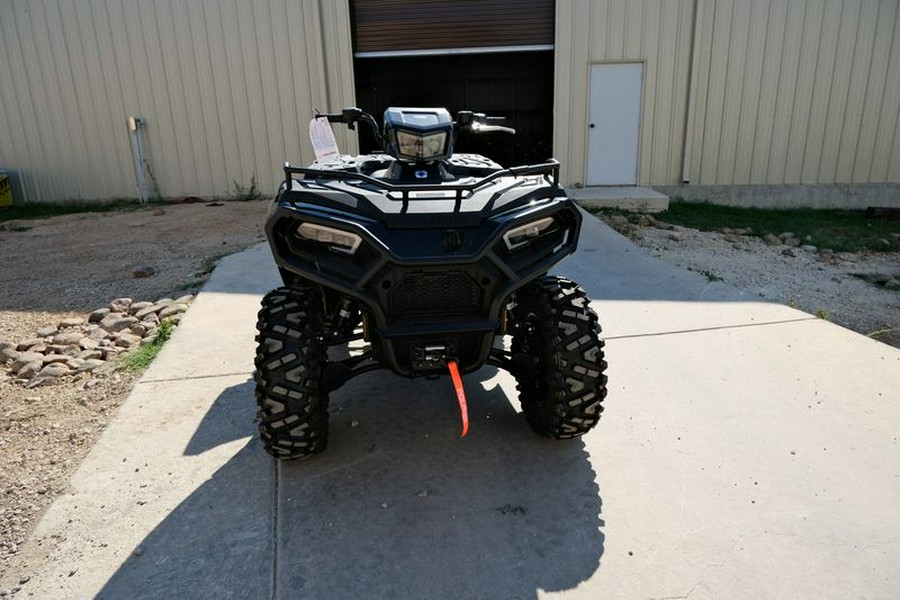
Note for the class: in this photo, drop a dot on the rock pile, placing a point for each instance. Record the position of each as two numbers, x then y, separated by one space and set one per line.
89 345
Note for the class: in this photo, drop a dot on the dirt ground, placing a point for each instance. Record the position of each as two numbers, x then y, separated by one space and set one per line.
66 266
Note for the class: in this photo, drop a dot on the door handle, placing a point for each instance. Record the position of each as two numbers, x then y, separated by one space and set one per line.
591 125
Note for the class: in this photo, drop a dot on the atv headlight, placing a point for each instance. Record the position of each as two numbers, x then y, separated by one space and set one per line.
519 236
419 146
337 239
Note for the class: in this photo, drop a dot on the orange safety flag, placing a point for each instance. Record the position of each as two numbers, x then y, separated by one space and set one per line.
460 395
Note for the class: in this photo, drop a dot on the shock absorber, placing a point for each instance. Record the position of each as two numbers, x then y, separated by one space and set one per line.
345 311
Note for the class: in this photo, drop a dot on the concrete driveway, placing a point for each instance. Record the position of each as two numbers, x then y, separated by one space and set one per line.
747 450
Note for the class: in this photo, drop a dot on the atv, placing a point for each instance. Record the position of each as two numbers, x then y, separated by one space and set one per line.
426 263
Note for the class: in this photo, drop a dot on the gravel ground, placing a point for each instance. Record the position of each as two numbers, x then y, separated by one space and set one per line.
67 266
800 277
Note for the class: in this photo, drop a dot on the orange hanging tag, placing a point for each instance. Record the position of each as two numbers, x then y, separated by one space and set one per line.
460 395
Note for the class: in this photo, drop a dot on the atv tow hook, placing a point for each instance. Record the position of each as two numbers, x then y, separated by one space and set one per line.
460 395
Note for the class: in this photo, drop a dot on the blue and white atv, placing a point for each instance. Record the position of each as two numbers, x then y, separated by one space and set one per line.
428 260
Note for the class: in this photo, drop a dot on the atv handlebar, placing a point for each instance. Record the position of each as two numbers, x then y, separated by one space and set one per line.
466 120
473 122
350 116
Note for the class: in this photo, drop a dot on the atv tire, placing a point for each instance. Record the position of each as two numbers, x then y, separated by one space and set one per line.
557 340
293 412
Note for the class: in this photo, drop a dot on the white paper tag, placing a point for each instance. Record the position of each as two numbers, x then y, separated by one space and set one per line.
322 139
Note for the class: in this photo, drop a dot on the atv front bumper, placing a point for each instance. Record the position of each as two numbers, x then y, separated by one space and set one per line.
434 285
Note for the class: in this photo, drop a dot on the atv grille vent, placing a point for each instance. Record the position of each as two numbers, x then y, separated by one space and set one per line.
451 292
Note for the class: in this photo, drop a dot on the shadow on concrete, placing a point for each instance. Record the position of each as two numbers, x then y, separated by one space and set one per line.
401 507
229 418
398 506
217 543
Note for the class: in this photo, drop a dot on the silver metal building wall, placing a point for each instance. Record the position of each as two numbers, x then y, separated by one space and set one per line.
226 87
741 91
657 32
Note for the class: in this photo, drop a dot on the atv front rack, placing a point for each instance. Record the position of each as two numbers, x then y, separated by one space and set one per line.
550 171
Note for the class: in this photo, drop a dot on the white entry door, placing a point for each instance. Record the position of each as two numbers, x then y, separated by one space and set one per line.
614 122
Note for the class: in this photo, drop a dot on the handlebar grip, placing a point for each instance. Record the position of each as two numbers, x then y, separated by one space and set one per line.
331 117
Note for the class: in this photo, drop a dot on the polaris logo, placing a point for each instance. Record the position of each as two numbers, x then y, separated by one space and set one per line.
452 240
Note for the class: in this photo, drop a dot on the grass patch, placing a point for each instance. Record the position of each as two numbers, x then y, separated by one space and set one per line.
198 278
246 194
45 211
839 230
209 264
140 359
823 314
193 285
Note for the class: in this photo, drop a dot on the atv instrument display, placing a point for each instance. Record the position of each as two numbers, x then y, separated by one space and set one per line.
426 263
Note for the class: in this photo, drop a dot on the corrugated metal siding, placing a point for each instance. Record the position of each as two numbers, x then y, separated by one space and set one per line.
797 92
227 88
391 25
780 92
657 33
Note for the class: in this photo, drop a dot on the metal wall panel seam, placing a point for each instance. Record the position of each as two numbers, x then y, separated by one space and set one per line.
113 89
278 153
690 104
53 87
317 77
823 79
840 142
128 87
222 47
88 121
116 161
777 93
65 159
893 166
244 107
830 145
581 103
287 92
195 90
191 129
759 89
268 176
883 131
740 166
174 138
856 101
862 141
651 127
735 73
715 107
786 89
339 58
212 118
681 81
19 88
754 52
800 117
264 163
562 67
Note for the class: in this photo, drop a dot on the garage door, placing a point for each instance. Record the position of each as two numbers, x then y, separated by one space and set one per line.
390 27
493 56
